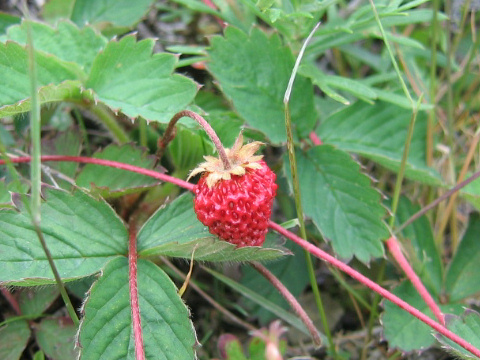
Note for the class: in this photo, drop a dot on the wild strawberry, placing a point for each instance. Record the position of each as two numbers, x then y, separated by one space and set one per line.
236 203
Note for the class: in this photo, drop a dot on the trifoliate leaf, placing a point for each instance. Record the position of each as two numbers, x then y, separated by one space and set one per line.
167 330
82 234
256 81
127 77
341 202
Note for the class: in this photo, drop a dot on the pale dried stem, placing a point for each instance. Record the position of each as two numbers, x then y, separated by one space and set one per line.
294 304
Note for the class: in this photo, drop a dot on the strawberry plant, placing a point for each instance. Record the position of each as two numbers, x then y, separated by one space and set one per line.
150 151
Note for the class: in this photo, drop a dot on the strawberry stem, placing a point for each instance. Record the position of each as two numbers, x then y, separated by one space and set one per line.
394 247
294 304
170 134
132 279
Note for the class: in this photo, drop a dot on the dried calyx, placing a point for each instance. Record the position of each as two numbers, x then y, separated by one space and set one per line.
240 157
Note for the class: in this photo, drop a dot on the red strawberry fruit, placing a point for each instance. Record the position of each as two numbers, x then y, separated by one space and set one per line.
236 203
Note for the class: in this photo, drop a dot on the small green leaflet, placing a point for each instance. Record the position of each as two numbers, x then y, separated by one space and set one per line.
167 330
341 202
175 231
127 77
81 232
256 81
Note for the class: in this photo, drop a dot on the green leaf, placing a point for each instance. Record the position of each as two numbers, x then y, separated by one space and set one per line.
67 42
296 281
127 77
14 337
404 331
419 241
341 202
82 234
462 278
175 231
167 330
378 132
109 181
66 90
257 79
7 20
467 327
15 77
56 337
318 78
34 301
117 12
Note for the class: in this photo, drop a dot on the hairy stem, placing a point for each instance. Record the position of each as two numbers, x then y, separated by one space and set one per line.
132 279
294 304
110 163
170 134
396 252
